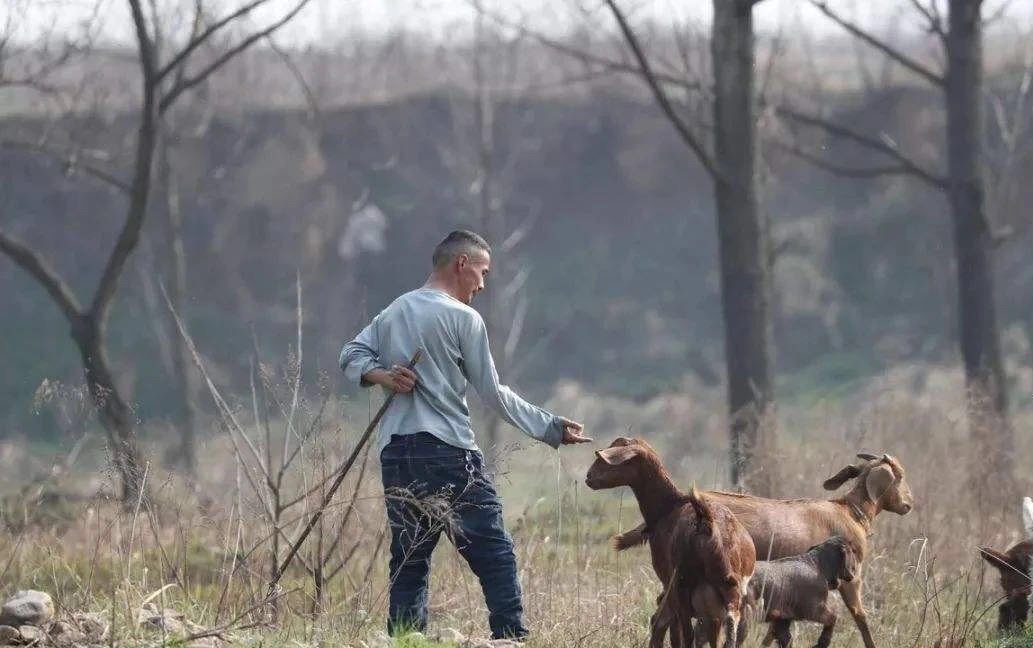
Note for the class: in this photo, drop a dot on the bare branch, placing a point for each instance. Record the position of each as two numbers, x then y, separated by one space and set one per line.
179 59
144 43
660 94
895 54
70 159
190 82
998 13
934 21
232 424
865 141
839 169
143 166
31 262
607 64
292 67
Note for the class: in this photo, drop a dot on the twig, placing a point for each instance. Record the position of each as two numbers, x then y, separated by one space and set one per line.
898 56
337 482
660 94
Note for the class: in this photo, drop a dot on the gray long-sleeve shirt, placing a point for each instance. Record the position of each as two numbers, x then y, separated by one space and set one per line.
455 354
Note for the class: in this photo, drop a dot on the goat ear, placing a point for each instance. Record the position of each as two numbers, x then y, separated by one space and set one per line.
866 456
840 478
1027 515
879 479
995 558
616 456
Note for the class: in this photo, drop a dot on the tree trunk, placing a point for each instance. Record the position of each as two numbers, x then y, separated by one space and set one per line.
177 295
488 213
742 244
116 416
973 244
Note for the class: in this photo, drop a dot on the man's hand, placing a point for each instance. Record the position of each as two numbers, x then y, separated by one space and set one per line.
572 432
398 379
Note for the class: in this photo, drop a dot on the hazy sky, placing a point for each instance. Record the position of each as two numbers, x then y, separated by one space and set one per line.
331 20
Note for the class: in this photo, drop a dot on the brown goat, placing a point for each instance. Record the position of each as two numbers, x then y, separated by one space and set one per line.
1014 567
797 588
701 553
782 528
715 550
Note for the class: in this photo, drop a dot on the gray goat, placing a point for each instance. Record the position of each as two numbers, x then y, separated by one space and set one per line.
797 588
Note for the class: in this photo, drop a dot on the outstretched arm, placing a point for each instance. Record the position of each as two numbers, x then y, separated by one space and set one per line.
479 368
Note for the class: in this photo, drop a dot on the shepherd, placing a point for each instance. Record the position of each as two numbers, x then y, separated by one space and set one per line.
426 442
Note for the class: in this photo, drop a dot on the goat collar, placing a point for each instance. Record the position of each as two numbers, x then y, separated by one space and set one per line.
862 518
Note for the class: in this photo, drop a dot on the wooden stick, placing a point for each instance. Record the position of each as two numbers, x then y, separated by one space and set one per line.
337 484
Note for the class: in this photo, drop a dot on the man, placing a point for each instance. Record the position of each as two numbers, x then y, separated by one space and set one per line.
425 441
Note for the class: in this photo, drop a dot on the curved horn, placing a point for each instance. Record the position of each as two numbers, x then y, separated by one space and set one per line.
866 456
886 458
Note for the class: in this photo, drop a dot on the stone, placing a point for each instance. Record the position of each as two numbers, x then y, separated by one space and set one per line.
448 635
168 619
9 635
379 640
504 643
64 633
94 626
32 634
28 607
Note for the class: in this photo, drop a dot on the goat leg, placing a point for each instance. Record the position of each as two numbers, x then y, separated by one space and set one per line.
825 638
851 593
731 623
744 627
769 637
827 618
783 635
657 631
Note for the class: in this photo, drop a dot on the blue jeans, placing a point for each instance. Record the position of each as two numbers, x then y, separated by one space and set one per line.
431 487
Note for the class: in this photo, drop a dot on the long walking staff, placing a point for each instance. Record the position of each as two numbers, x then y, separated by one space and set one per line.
337 484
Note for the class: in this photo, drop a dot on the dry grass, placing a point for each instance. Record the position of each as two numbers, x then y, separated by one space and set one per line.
202 548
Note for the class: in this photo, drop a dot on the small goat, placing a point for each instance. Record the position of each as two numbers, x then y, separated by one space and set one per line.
701 553
783 528
797 589
1014 566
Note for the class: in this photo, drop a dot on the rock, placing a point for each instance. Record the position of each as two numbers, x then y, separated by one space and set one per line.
378 640
94 626
504 643
448 635
28 607
64 633
9 635
168 619
32 634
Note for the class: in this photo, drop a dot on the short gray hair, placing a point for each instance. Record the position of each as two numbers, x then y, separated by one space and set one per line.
456 243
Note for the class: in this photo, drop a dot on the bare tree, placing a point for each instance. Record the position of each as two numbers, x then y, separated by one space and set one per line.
507 304
164 80
960 36
742 235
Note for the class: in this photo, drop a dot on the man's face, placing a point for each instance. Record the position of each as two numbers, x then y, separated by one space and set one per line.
472 270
